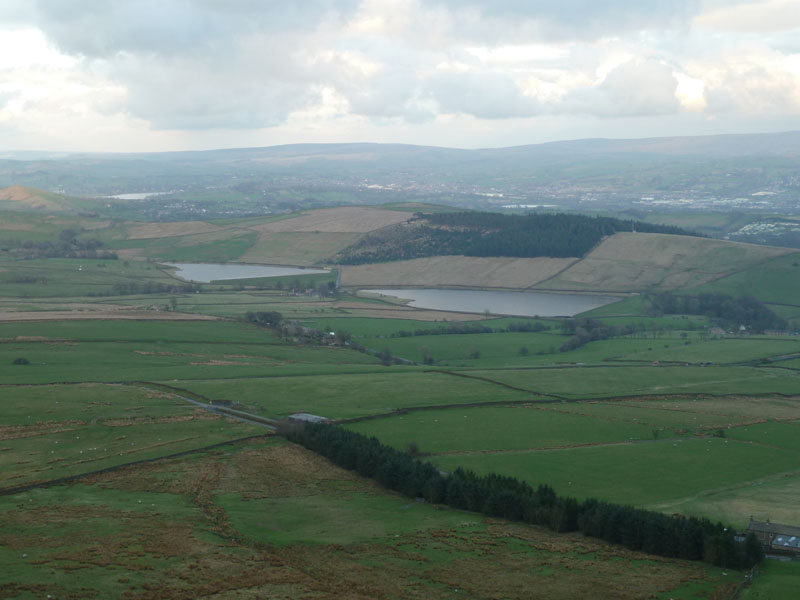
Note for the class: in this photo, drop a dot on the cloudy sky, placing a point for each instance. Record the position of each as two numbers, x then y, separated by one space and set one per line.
147 75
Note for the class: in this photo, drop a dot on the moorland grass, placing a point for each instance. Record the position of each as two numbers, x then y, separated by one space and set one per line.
281 535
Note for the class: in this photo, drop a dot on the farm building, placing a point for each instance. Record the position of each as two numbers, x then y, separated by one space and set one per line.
308 418
776 538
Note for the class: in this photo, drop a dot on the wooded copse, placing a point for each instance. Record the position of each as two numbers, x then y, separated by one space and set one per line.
727 311
506 497
485 234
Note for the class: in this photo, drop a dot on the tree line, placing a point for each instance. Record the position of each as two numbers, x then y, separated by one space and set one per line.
66 246
506 497
492 234
464 328
725 310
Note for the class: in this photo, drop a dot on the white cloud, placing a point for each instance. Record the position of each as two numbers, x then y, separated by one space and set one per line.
763 16
172 72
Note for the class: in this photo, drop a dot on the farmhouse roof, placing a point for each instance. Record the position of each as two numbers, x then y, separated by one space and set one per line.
773 528
308 418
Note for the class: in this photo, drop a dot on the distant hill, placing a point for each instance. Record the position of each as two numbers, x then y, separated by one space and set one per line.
727 164
28 199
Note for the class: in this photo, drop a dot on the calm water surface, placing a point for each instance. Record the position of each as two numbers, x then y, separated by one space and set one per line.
518 304
207 272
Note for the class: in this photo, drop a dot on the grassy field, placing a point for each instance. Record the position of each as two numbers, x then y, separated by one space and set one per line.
49 432
57 361
775 281
267 519
774 581
74 278
353 395
599 382
643 474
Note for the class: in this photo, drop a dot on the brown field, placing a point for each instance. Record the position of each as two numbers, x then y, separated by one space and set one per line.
28 197
160 230
136 545
463 271
103 315
649 261
345 219
301 249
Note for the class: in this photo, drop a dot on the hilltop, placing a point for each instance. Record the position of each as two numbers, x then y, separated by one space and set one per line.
754 172
29 199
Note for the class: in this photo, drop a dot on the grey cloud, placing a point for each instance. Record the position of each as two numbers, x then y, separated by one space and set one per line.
486 95
102 28
185 93
632 89
579 19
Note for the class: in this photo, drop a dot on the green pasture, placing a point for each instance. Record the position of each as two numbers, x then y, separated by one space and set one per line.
366 327
236 304
519 349
723 350
775 280
140 331
74 449
342 396
78 404
300 282
689 414
298 248
149 361
215 246
491 349
790 313
633 306
53 431
775 580
73 277
782 435
16 227
771 497
484 429
640 473
599 382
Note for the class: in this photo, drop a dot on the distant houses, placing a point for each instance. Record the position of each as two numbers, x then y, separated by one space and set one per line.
776 538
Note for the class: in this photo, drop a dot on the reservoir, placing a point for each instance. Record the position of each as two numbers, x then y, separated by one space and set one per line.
207 272
518 304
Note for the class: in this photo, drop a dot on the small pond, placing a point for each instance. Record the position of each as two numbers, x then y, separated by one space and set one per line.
518 304
207 272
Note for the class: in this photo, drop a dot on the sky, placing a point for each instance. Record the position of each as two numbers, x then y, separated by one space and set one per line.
160 75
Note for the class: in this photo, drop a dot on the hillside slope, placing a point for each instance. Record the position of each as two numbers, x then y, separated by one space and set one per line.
18 197
643 262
